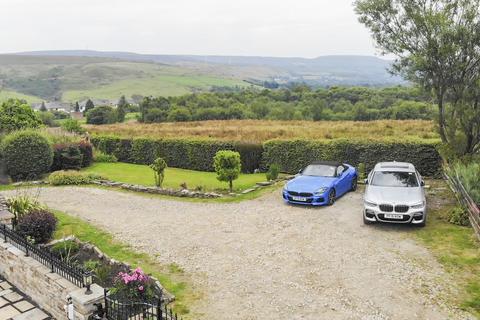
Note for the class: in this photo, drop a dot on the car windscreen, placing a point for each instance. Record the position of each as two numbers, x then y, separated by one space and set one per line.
394 179
319 170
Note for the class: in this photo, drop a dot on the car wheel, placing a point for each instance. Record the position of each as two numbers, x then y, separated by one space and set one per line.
331 197
354 184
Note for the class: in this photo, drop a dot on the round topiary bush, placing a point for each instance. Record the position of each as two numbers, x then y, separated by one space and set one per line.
27 155
38 225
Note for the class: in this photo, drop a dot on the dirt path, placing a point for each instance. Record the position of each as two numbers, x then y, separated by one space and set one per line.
263 259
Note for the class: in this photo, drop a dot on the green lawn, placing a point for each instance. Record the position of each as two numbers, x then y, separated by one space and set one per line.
170 276
455 247
143 175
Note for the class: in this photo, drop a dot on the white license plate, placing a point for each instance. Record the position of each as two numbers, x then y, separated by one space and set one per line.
394 216
302 199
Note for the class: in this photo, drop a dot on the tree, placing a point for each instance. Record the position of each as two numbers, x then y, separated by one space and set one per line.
88 106
122 109
17 115
436 44
101 115
158 166
77 107
43 108
179 115
227 165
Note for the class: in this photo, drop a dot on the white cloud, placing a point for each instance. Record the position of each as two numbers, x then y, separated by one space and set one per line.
306 28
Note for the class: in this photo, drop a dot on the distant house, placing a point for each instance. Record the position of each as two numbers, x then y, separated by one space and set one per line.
53 105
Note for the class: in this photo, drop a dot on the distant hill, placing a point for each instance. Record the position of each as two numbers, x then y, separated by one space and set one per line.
71 75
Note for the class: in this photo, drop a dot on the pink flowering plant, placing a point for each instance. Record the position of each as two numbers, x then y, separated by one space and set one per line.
135 285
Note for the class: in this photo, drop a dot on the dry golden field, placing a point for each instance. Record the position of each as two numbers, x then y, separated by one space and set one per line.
262 130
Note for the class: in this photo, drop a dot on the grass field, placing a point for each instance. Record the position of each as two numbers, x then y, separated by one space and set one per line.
8 94
262 130
143 175
161 85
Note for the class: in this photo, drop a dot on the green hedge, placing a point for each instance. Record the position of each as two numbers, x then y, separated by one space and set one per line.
178 153
291 155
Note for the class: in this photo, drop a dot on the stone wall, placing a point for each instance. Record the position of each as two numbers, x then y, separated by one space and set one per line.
49 290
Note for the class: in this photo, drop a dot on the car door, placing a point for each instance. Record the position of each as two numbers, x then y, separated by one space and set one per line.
342 184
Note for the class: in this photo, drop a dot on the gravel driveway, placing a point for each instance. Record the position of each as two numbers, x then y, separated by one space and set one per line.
262 259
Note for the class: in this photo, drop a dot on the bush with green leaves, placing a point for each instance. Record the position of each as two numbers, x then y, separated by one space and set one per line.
62 178
273 171
193 154
101 115
362 172
48 119
158 166
228 166
66 250
22 205
27 155
37 225
72 125
99 156
17 115
458 216
293 155
66 157
469 175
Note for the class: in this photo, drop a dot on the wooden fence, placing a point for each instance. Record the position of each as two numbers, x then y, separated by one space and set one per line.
473 211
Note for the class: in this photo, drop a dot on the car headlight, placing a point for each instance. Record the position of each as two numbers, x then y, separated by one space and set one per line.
369 203
320 191
285 188
418 205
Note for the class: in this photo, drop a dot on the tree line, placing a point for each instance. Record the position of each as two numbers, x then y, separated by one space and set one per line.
298 103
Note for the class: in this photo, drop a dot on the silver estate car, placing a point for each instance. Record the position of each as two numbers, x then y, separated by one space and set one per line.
395 193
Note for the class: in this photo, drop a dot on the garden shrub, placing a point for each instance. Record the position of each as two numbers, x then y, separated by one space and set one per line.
227 166
37 225
22 205
362 172
293 155
72 156
458 216
66 157
86 148
273 171
66 250
72 125
99 156
158 166
190 154
101 115
27 155
61 178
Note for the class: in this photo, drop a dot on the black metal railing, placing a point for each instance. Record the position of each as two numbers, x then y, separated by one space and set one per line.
116 309
68 271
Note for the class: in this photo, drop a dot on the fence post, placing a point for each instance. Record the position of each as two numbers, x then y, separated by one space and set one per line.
159 309
51 262
26 248
106 302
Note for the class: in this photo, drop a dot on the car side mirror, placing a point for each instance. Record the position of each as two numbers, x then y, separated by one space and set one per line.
422 183
366 181
300 171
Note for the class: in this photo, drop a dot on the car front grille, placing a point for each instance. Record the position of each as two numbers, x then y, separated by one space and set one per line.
386 207
401 208
300 194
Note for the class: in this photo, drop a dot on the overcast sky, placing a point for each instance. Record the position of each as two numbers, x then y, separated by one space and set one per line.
303 28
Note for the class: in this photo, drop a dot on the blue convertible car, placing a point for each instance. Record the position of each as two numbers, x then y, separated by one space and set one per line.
321 183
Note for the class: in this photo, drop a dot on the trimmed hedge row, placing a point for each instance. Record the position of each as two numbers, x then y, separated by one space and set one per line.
179 153
290 155
293 155
72 156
